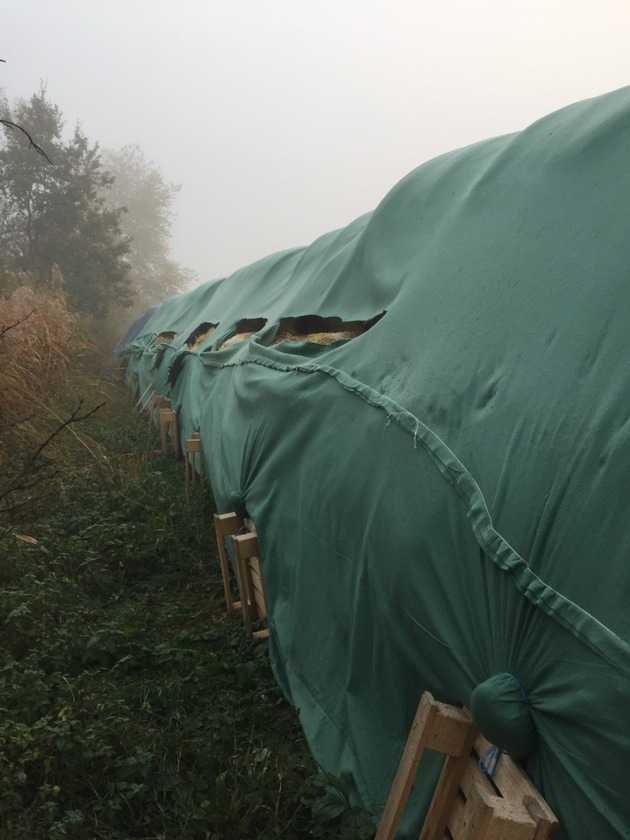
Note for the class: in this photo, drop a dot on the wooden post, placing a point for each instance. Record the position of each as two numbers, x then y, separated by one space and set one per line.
166 415
191 447
158 402
174 427
246 546
226 524
169 426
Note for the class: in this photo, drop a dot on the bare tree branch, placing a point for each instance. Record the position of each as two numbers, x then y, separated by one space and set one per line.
34 470
5 330
75 417
10 124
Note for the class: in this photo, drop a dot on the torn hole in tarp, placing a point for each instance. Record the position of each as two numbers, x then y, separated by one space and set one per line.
200 333
159 356
165 337
317 329
244 329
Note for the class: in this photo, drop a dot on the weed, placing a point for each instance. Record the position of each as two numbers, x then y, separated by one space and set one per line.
131 706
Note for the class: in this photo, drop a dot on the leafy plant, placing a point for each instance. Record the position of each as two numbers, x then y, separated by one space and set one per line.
131 706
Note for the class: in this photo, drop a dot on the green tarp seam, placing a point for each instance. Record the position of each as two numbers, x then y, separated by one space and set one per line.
570 615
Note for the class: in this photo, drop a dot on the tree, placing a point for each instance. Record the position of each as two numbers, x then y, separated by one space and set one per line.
57 215
141 189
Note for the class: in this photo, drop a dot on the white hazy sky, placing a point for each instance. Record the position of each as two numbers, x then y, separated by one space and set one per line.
283 119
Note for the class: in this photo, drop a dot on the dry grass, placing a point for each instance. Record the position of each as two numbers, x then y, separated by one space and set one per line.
38 335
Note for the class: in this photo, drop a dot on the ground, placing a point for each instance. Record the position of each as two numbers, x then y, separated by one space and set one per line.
131 706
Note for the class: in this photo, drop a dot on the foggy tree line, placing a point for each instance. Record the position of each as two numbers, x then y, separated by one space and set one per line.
97 222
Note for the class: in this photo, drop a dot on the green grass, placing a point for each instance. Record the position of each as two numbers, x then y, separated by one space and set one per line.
130 705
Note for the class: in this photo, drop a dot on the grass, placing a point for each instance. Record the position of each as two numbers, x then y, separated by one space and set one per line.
130 705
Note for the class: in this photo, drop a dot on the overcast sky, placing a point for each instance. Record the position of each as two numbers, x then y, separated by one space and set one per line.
283 119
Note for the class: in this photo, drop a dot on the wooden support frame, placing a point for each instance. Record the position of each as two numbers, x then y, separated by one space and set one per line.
466 804
192 447
155 402
225 525
250 582
169 428
158 402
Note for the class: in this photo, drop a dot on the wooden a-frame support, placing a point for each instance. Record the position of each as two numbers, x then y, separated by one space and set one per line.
226 524
250 583
169 428
191 447
466 804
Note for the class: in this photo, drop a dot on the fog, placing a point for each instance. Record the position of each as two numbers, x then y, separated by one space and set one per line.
283 120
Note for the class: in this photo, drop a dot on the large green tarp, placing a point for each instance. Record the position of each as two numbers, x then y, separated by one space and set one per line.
444 498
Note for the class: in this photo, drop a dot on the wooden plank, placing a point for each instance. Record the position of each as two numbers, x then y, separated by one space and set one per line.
258 587
226 524
242 577
260 635
484 811
251 578
449 732
246 546
259 601
174 428
494 818
478 816
187 480
514 784
165 420
473 775
406 773
457 818
446 792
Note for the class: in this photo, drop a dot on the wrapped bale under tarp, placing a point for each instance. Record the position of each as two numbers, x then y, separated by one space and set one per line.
441 500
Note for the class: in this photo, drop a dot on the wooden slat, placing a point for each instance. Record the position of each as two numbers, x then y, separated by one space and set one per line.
192 446
406 773
165 418
457 818
473 775
449 732
226 524
446 792
261 605
174 429
246 546
494 818
258 587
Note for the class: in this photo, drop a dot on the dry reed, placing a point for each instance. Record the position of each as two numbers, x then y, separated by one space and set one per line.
38 335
